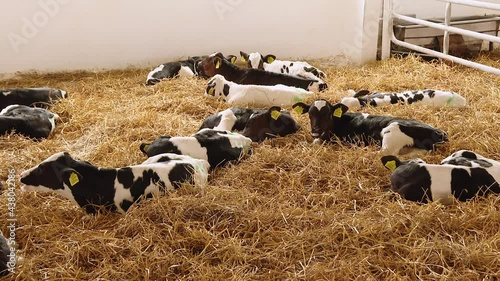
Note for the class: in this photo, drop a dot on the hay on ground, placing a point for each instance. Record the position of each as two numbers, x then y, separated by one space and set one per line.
291 211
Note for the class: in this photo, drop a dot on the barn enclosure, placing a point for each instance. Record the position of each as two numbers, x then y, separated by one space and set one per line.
292 210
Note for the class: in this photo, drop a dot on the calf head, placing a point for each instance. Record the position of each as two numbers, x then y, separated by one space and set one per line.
159 146
256 60
269 124
212 65
324 117
55 174
218 86
392 162
316 72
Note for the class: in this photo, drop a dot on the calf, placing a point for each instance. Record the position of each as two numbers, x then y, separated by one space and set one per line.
271 64
216 147
257 95
256 124
4 255
95 188
183 68
39 97
469 158
418 181
429 97
330 121
215 64
31 122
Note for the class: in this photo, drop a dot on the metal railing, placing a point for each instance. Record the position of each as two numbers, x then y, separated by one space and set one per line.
388 32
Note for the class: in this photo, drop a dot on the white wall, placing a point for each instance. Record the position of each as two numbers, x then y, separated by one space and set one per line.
425 9
50 35
89 34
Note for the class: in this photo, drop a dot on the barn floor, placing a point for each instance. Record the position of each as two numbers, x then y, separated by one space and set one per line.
290 211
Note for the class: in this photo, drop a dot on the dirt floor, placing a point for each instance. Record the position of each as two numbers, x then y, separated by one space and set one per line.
290 211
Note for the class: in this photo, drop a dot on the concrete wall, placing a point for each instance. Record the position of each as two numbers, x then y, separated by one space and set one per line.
89 34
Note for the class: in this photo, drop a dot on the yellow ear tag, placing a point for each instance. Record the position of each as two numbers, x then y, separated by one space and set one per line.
217 65
243 59
211 91
146 147
233 60
391 165
270 60
73 179
275 114
299 110
338 112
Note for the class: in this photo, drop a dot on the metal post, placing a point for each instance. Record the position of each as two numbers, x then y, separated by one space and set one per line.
387 29
447 21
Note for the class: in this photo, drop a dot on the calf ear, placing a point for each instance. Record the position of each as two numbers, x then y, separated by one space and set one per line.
244 56
217 62
144 147
275 112
300 108
231 58
270 58
339 109
71 177
390 162
210 90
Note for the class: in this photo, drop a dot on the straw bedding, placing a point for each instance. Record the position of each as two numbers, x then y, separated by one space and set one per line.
290 211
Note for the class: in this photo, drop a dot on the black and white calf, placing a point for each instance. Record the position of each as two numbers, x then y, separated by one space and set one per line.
216 147
418 181
469 158
31 122
256 95
330 121
4 255
183 68
94 188
216 64
257 124
434 98
271 64
39 97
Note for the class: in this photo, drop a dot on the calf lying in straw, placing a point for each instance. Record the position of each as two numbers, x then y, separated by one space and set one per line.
256 124
256 95
216 64
428 97
271 64
458 177
35 123
95 188
333 121
216 147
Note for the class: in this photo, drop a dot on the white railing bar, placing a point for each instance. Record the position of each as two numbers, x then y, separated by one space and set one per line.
449 28
472 3
387 29
455 23
446 37
443 56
